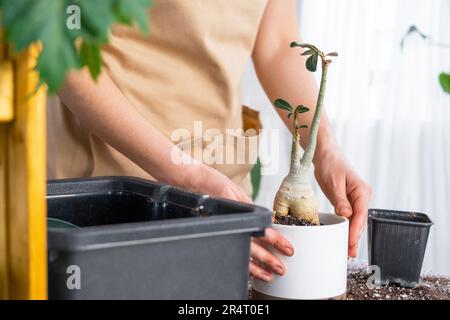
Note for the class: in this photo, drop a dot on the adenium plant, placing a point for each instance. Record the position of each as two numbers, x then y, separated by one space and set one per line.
295 196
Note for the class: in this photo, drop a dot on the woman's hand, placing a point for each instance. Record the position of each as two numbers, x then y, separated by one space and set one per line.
347 192
263 263
199 177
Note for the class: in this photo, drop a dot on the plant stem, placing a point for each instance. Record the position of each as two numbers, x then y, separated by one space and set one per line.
307 158
295 170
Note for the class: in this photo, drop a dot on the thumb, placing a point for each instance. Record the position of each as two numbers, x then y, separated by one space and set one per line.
340 201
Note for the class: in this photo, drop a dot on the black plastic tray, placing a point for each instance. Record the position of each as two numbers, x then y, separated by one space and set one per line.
142 240
396 243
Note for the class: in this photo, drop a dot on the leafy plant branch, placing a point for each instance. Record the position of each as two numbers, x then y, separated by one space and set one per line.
27 21
444 78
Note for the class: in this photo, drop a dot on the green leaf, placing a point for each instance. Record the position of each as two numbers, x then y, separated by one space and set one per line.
289 115
305 45
282 104
301 109
303 126
90 56
444 80
332 54
97 17
28 21
256 178
132 11
309 46
54 62
311 63
307 52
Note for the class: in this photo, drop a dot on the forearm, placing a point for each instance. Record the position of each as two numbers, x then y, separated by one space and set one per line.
103 109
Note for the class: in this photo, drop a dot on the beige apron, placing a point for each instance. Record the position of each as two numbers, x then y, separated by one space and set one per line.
188 69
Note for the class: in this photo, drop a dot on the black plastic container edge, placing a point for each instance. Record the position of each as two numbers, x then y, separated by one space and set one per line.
143 240
164 230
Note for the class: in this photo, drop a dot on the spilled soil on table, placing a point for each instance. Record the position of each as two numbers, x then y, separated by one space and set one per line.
430 288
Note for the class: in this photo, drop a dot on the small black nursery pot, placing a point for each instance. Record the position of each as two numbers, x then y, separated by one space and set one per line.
397 241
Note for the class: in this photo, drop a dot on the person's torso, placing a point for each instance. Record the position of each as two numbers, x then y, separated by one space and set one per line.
190 66
187 69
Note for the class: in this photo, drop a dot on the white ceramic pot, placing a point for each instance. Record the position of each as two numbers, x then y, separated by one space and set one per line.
318 269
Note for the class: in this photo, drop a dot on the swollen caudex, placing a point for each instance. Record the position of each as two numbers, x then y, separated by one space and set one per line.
297 200
295 197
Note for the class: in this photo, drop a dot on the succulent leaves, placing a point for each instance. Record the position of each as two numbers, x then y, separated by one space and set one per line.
314 54
284 105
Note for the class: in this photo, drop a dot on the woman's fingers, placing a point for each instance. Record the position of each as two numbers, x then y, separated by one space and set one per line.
259 273
276 240
216 184
359 198
338 196
266 260
264 263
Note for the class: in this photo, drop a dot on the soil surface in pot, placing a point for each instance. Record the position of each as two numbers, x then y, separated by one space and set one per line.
289 220
430 288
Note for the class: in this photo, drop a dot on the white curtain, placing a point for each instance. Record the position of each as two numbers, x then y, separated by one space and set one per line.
385 104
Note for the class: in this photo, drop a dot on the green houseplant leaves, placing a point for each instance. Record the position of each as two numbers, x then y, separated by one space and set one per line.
311 62
256 178
444 80
28 21
282 104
